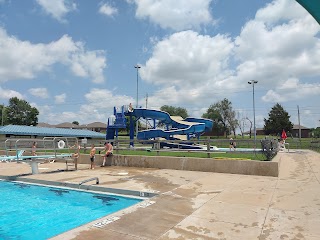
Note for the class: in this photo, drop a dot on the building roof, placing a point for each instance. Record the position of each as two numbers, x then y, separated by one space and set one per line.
43 124
94 125
296 127
66 125
50 132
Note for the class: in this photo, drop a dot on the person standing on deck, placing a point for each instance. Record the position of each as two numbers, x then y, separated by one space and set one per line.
76 154
92 155
33 149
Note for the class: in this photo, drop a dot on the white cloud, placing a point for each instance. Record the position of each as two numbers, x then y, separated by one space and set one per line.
280 10
65 116
44 110
89 64
58 99
177 15
291 90
97 110
57 8
24 60
108 10
95 95
6 94
188 59
280 44
94 110
190 69
39 92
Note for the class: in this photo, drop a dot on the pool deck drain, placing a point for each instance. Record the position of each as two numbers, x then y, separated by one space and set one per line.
200 205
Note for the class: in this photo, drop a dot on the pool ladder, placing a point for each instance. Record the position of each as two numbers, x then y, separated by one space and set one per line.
89 180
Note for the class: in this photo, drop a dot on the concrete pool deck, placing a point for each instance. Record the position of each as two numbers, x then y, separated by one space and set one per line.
201 205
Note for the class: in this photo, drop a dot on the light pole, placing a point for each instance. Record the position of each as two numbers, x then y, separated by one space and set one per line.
137 67
253 82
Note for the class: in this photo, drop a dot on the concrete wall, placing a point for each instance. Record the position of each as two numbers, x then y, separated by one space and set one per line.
247 167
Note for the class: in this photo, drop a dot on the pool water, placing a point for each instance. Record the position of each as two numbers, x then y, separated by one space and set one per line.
37 212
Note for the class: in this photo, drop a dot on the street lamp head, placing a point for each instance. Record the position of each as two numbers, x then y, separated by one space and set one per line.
137 66
253 81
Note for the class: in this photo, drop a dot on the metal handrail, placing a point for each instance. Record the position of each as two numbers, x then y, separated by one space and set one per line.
90 179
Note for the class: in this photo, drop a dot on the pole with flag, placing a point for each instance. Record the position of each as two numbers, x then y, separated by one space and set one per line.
284 135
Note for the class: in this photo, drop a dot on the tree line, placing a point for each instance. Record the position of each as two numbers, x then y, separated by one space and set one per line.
227 121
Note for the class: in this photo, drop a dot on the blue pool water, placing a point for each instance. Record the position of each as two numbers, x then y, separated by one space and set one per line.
36 212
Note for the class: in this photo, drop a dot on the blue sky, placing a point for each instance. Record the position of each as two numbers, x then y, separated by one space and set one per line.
74 60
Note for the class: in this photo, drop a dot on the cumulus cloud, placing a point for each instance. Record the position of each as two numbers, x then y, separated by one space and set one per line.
94 110
58 99
108 10
188 68
95 95
291 90
58 8
187 59
44 110
176 15
24 60
280 10
65 116
39 92
6 94
280 43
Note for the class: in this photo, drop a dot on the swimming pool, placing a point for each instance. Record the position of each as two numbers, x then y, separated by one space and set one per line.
37 212
239 149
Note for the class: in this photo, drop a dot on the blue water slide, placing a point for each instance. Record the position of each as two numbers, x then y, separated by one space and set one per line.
179 127
208 122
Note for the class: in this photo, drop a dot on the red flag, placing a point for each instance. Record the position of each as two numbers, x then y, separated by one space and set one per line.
284 135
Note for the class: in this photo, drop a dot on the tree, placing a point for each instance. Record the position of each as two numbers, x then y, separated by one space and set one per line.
3 118
218 125
20 112
278 120
75 123
175 111
223 115
241 124
316 132
250 131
